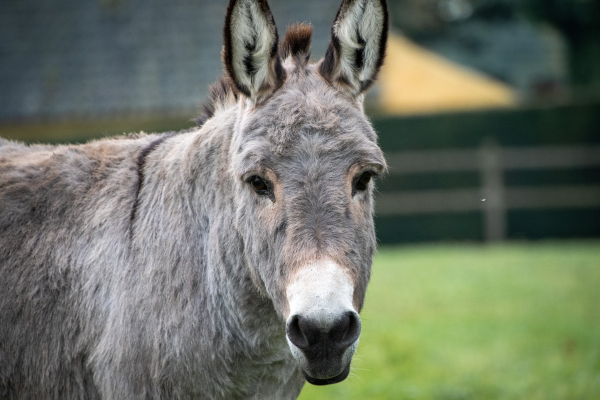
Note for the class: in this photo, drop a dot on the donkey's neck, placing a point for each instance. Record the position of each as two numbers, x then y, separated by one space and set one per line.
187 282
187 197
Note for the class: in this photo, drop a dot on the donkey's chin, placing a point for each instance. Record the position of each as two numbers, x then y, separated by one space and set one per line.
325 371
328 381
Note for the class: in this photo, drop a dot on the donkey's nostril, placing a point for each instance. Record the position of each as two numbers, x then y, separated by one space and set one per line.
295 333
304 333
347 330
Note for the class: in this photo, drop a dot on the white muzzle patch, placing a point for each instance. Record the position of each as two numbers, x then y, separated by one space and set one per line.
321 290
321 293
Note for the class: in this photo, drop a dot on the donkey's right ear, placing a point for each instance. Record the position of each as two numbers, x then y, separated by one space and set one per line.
357 48
250 50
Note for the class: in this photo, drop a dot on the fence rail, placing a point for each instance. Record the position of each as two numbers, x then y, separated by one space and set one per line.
511 158
493 197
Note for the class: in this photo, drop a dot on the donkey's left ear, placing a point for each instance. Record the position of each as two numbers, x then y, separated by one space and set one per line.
250 50
357 48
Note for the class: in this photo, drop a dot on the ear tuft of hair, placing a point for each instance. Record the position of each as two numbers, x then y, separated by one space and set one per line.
222 94
297 43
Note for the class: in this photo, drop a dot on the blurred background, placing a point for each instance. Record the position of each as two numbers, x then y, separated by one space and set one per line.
489 114
488 110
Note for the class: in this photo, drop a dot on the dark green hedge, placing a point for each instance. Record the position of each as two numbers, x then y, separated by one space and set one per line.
565 125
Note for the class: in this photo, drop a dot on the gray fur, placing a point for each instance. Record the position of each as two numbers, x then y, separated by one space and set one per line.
172 287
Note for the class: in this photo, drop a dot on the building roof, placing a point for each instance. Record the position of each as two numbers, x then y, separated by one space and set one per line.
90 59
414 81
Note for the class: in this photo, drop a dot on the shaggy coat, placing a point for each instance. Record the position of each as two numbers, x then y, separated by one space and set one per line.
171 266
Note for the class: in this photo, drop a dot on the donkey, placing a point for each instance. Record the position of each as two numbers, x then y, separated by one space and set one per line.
228 261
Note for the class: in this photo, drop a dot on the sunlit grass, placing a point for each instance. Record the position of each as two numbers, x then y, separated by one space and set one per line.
513 321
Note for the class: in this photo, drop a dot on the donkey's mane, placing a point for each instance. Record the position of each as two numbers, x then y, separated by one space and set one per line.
222 94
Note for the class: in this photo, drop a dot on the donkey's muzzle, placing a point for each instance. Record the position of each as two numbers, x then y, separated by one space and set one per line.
326 347
309 337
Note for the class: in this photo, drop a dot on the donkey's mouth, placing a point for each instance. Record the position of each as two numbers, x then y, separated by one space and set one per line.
321 382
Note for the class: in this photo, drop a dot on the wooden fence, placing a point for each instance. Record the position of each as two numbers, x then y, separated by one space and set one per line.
493 197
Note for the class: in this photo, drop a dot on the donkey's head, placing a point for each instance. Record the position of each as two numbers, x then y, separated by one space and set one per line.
303 157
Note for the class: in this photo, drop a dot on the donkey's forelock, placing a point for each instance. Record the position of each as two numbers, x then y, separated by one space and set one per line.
296 45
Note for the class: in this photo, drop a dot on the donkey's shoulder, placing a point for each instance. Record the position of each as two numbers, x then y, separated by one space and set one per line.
44 179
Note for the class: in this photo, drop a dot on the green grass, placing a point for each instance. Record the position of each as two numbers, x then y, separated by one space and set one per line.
513 321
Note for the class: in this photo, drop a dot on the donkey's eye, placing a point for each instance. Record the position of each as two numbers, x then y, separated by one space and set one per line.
259 185
362 181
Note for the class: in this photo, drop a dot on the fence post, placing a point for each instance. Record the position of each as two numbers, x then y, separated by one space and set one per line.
492 191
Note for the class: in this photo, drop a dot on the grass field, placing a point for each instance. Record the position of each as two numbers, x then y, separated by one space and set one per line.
512 321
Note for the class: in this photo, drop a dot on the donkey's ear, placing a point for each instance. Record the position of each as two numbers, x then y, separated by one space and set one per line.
357 48
250 50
